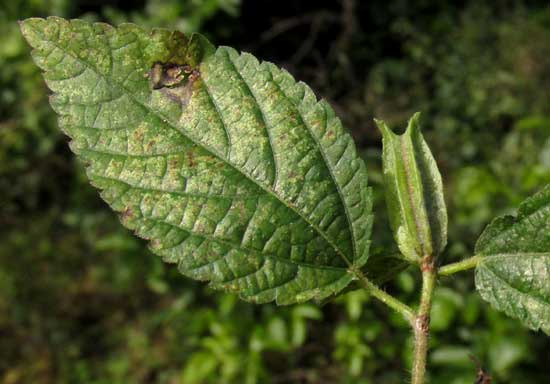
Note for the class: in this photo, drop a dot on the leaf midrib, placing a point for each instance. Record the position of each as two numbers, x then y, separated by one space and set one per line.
169 123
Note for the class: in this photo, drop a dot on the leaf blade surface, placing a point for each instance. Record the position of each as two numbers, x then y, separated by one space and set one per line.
233 170
514 272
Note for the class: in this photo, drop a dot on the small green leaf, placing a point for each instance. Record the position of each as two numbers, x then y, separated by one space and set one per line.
233 170
514 272
414 192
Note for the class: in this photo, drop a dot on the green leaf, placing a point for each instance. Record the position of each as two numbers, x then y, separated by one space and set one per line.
414 192
233 170
514 272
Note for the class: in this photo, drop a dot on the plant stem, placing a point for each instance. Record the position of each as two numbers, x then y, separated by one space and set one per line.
386 298
459 266
421 325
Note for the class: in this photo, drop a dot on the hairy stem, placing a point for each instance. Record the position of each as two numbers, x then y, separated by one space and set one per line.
459 266
421 325
386 298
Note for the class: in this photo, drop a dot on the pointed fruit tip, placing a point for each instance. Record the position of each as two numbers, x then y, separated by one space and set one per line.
414 123
383 127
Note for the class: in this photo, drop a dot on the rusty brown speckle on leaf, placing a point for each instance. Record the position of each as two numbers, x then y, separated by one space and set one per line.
127 214
190 159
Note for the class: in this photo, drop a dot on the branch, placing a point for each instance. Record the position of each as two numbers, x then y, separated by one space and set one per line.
459 266
386 298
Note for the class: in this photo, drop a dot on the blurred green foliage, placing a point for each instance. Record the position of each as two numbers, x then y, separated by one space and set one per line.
82 300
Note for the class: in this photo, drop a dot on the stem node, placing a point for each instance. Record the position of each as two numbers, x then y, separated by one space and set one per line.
422 324
427 264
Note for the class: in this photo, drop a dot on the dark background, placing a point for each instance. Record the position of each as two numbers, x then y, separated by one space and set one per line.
83 301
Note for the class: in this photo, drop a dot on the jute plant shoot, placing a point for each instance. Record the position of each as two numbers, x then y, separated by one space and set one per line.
240 176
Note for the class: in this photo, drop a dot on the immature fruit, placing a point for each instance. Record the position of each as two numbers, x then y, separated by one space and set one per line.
414 192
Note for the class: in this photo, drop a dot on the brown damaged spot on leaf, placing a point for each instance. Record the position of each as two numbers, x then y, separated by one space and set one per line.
155 243
128 213
191 159
138 134
174 80
173 163
150 145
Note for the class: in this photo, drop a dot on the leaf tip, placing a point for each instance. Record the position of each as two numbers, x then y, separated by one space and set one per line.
30 29
25 25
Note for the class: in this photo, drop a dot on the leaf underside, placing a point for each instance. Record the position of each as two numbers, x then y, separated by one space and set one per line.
514 274
231 168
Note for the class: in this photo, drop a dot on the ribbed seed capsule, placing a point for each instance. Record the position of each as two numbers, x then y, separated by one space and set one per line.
414 192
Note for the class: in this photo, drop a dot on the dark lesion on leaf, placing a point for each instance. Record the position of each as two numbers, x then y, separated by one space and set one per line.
155 243
174 80
127 214
191 159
